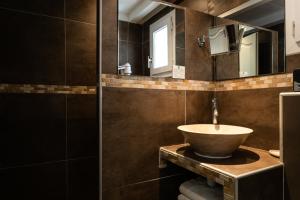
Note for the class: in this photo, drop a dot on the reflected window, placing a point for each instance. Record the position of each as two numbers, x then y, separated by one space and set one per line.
162 43
160 47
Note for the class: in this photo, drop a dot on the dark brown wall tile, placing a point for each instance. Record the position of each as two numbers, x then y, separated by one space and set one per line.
81 10
81 53
123 30
45 7
135 57
227 66
198 107
198 60
255 109
146 32
110 37
32 128
32 49
146 53
130 46
123 52
135 33
264 185
39 128
45 182
162 189
135 124
180 39
180 56
82 126
83 179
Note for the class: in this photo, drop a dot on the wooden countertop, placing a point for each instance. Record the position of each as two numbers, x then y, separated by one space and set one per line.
245 160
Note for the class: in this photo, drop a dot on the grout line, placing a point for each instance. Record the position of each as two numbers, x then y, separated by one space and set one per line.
33 165
46 163
65 42
147 181
67 149
185 113
44 15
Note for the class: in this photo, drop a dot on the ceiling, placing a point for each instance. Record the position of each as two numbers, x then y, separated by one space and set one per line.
126 6
136 11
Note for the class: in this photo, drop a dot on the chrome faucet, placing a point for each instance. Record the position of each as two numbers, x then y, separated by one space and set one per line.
215 113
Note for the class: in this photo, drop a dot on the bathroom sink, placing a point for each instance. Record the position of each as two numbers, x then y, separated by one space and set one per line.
214 141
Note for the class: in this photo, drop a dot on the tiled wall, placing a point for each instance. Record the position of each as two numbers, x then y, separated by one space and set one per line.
136 122
48 105
130 46
141 115
110 37
257 109
254 103
250 102
199 63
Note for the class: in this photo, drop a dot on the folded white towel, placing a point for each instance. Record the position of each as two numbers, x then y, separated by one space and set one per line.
182 197
197 189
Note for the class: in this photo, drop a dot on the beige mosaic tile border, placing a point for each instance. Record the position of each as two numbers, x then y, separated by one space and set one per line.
46 89
142 82
273 81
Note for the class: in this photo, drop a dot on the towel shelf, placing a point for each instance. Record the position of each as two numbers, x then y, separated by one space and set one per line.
249 167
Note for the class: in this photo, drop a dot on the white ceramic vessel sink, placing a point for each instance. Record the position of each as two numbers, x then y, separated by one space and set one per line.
214 141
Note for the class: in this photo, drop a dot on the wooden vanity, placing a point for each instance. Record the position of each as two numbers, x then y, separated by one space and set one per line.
250 174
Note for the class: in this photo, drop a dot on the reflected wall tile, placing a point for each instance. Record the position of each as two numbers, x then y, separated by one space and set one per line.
123 30
198 60
110 37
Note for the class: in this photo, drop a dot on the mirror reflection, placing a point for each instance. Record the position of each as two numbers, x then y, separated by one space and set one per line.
165 40
225 39
151 39
262 49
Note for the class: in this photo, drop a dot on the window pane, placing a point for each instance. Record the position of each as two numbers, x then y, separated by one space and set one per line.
160 47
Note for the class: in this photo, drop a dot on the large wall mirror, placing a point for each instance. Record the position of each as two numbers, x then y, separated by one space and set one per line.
160 39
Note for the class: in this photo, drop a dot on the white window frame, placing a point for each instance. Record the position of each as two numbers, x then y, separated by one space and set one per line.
168 20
